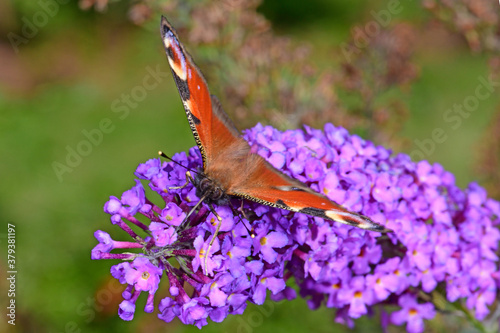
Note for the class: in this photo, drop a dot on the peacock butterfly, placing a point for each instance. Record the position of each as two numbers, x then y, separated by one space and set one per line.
230 169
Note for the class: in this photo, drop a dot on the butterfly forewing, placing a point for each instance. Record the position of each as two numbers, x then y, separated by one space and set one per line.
211 131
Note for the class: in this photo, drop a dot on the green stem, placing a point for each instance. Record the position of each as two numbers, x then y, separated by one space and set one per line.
477 324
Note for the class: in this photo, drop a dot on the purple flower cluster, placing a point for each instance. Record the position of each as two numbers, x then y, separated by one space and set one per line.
445 239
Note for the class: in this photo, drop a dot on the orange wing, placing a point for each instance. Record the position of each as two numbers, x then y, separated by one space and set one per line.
198 103
267 185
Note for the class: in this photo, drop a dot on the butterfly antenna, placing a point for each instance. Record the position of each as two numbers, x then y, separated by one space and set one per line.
162 154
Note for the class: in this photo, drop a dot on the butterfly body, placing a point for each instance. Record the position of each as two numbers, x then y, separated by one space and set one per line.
230 169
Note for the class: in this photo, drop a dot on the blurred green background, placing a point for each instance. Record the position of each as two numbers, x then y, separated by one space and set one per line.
64 80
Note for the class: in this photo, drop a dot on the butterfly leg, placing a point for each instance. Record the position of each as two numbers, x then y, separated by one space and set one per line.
189 179
191 211
213 237
243 211
246 221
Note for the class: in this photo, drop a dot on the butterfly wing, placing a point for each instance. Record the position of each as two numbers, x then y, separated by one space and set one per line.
269 186
212 131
